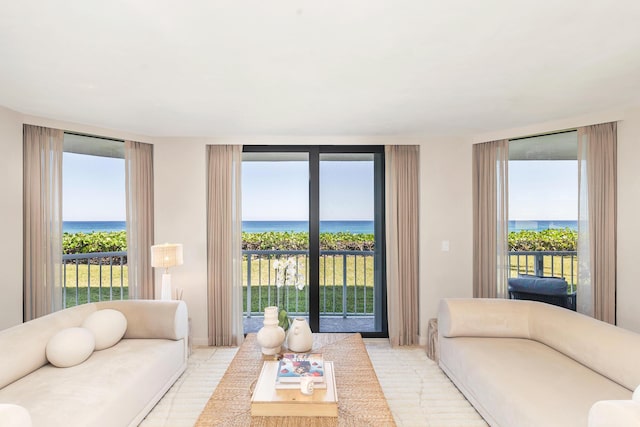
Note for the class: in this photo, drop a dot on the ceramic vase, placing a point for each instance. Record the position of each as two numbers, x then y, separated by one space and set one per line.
270 336
300 338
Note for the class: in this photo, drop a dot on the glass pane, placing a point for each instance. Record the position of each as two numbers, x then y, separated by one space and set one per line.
275 234
543 208
349 274
94 204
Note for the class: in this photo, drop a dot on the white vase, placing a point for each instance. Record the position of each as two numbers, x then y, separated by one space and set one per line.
300 338
270 336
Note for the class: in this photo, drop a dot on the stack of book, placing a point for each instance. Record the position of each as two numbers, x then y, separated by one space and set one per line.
293 366
277 391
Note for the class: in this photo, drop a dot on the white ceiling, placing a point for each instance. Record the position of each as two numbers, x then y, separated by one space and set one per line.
329 67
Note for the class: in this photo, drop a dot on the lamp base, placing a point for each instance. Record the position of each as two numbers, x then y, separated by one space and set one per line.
165 293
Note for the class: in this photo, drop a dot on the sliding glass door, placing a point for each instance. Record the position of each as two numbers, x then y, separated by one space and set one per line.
350 268
316 251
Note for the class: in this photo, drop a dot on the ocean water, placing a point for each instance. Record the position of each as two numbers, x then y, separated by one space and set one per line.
90 226
540 225
325 226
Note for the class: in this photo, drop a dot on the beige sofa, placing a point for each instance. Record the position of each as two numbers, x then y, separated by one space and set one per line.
525 363
116 386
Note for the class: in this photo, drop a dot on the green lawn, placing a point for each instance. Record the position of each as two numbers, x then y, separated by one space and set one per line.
77 280
332 270
357 271
294 301
566 264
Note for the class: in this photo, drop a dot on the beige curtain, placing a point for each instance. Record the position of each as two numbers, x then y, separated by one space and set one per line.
43 293
402 170
224 245
490 219
597 169
139 193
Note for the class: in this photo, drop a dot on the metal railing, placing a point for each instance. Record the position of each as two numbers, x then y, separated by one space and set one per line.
346 282
545 263
78 289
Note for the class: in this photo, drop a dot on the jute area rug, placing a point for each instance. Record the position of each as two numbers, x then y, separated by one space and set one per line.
417 391
361 401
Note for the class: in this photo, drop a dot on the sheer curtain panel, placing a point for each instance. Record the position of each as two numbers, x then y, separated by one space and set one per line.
597 169
139 193
42 183
402 170
490 219
224 245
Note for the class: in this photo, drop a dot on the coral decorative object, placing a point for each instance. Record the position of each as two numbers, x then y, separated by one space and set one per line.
300 338
270 336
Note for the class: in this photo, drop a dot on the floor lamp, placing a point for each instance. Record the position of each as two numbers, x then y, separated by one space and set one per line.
165 256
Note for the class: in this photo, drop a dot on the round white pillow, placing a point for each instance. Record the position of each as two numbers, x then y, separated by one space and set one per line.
108 327
70 347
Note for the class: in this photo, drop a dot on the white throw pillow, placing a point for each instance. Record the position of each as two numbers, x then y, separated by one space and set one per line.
70 347
14 416
108 327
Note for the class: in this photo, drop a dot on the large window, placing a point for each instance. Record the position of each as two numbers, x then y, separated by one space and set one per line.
94 220
313 236
543 206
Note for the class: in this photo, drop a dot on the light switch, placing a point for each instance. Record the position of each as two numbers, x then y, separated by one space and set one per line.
444 246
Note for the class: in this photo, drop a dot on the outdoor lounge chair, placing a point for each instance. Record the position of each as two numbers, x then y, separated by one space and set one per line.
552 290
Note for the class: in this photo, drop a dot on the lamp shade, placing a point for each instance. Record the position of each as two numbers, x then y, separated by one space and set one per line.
166 255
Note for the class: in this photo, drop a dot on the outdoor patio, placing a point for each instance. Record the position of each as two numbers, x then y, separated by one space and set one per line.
327 324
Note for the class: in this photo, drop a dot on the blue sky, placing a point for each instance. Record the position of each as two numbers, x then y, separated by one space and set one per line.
543 190
93 188
280 191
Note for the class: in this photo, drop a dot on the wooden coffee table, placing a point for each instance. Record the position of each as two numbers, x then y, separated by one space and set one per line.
360 398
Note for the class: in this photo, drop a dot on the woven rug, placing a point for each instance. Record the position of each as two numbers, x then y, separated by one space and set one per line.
361 401
422 396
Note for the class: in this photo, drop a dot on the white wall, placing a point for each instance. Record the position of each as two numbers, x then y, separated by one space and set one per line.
628 271
11 218
445 216
179 168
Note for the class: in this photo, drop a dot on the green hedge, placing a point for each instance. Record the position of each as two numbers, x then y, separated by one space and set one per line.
98 241
546 240
287 240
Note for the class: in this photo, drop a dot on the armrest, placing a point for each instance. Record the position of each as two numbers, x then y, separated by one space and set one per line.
152 318
14 416
479 317
610 413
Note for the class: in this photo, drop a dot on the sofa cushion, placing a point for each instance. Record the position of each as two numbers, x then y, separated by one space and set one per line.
28 341
117 386
491 317
607 349
521 382
70 347
614 413
14 416
108 327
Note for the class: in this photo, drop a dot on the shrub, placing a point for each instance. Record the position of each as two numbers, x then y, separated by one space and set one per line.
545 240
287 240
99 241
